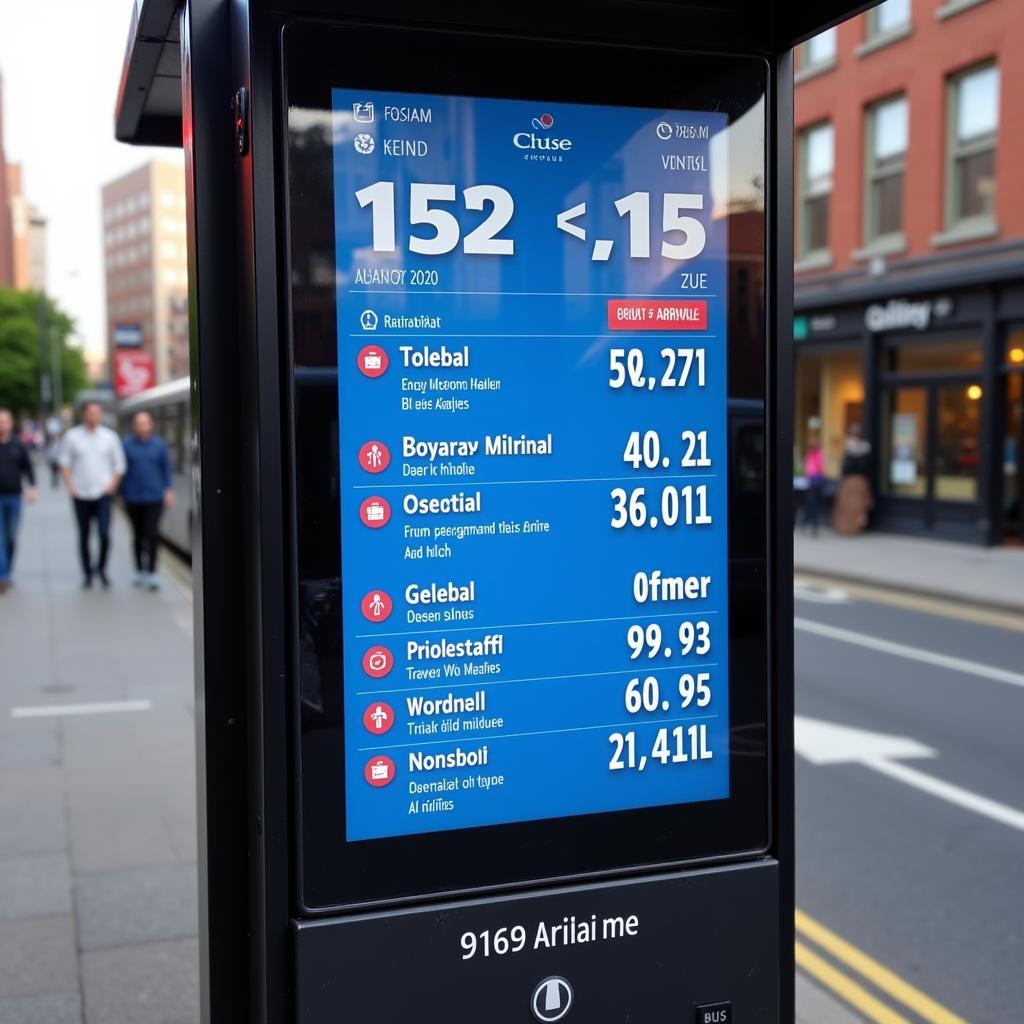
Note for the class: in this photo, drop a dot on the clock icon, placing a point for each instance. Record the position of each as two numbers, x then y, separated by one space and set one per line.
364 143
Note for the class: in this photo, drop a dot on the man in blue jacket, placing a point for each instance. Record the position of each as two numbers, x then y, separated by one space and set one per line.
146 491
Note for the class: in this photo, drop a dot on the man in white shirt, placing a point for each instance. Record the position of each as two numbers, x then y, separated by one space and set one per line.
92 464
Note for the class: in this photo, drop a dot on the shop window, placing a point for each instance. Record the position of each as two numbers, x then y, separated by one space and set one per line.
888 18
905 441
817 161
935 357
819 52
1014 356
973 125
957 442
887 129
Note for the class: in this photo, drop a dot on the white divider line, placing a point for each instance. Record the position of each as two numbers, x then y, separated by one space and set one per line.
874 643
99 708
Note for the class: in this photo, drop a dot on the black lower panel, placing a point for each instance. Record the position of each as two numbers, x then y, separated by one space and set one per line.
643 951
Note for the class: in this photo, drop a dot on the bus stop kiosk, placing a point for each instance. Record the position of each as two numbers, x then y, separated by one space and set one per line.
490 312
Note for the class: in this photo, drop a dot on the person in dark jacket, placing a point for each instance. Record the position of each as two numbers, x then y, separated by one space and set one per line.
146 491
15 465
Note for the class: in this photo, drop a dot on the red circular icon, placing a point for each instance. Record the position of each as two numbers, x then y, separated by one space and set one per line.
372 361
379 770
375 513
376 606
546 120
374 457
378 718
378 662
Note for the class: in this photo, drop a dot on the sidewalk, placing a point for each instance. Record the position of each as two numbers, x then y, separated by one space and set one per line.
98 910
993 577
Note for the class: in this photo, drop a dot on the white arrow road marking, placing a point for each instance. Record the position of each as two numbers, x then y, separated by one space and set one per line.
827 743
562 220
820 595
874 643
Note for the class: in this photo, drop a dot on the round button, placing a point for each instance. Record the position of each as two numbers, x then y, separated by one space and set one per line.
374 457
376 605
552 999
372 361
378 662
379 771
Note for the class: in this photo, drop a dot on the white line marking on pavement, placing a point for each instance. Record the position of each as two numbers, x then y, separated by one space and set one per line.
99 708
972 668
827 743
950 793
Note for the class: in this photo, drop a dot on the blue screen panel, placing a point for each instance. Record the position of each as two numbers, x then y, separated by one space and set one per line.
532 391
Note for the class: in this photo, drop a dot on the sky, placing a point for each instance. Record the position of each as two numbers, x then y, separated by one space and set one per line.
61 64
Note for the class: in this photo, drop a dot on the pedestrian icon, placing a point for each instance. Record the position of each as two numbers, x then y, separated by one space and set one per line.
375 513
378 718
379 770
374 456
376 606
368 320
552 1000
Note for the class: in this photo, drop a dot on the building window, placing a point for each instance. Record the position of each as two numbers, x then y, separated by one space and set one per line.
888 18
887 131
819 51
817 160
971 166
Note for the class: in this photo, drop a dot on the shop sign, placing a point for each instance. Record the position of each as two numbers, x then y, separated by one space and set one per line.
899 314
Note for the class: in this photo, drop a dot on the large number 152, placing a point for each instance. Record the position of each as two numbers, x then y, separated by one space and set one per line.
482 240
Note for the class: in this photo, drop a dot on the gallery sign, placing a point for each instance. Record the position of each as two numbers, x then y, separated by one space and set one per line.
900 314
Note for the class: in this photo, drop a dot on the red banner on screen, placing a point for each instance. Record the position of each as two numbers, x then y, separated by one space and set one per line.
657 315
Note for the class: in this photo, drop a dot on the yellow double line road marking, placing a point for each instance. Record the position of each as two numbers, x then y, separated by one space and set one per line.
854 993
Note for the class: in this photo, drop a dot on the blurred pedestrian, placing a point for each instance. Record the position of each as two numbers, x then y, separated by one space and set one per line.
814 471
146 490
853 499
92 464
15 466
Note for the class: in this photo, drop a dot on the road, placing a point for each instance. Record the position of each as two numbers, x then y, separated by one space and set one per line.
912 852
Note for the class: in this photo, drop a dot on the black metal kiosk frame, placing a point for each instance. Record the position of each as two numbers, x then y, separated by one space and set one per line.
207 74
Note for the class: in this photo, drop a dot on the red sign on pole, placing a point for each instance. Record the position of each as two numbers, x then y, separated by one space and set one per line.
133 372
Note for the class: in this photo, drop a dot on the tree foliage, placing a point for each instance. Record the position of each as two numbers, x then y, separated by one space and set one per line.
22 357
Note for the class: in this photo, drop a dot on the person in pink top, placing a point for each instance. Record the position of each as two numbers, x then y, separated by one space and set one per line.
814 471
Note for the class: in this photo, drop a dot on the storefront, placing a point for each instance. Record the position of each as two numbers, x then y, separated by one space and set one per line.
929 366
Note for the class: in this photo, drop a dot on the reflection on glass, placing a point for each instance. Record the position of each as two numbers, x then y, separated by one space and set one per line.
935 356
957 442
905 447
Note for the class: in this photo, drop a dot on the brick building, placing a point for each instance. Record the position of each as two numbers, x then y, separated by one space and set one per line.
144 250
6 228
28 236
909 241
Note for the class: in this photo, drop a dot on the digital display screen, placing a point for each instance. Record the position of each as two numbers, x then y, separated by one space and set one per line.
533 458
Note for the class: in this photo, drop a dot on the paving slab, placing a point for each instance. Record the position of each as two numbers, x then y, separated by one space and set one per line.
52 1008
990 577
119 908
38 956
154 983
35 887
31 826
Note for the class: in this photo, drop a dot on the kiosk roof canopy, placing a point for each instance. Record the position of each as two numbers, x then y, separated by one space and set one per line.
148 108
